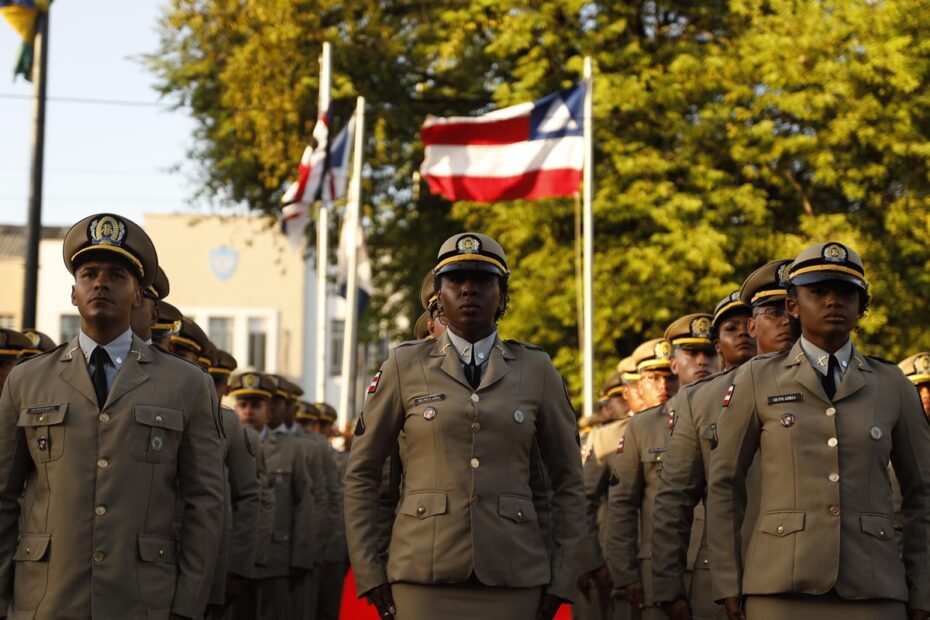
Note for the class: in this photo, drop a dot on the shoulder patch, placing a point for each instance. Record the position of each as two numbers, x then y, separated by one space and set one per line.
373 386
729 395
360 426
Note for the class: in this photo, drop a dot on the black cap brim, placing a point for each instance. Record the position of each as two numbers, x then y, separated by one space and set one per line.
470 266
813 277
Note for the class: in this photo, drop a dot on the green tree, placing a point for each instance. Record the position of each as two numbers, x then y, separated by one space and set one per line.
726 134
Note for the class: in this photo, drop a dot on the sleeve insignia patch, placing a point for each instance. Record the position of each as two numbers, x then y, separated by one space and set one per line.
729 395
373 386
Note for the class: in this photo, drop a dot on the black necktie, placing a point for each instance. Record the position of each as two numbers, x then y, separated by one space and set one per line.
473 374
100 358
829 380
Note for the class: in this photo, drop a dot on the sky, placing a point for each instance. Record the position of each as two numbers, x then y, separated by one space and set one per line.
98 157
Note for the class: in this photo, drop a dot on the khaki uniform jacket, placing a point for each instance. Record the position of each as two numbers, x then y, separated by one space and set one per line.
292 543
319 493
630 501
467 505
264 520
825 489
244 495
98 536
678 537
331 510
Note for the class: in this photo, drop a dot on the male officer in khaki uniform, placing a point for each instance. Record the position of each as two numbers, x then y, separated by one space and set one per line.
825 420
917 369
169 322
639 461
107 433
145 315
682 483
596 600
626 497
12 345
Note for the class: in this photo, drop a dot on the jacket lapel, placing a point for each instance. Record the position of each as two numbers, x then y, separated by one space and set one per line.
853 379
498 364
451 364
132 373
74 371
804 373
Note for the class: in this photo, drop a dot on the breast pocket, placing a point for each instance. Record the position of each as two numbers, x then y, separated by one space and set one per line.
44 426
156 433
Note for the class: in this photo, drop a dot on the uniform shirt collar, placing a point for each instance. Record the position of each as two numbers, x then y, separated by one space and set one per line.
481 349
281 429
819 358
118 349
263 434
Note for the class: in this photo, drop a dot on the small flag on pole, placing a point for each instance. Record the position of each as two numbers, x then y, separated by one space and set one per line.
23 15
363 265
530 150
320 176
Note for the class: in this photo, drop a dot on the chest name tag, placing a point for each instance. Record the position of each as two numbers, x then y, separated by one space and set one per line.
43 409
432 398
657 450
785 398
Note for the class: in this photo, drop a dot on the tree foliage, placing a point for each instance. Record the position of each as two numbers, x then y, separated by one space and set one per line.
726 134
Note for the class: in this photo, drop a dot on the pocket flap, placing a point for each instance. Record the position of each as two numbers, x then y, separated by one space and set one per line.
42 415
516 508
161 417
32 547
652 455
877 525
424 504
782 523
154 548
708 431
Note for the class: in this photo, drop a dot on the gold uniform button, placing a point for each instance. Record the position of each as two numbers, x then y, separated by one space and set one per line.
881 533
475 398
158 419
519 515
98 556
834 477
706 561
832 442
659 458
475 427
161 553
41 418
780 529
831 411
104 417
834 511
420 510
103 463
475 463
100 511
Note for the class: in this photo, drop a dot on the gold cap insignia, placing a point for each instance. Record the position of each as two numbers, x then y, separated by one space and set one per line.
107 230
922 363
663 350
468 244
250 381
700 327
781 276
33 338
834 253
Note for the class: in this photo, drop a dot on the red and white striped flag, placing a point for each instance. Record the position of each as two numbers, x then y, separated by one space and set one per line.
530 150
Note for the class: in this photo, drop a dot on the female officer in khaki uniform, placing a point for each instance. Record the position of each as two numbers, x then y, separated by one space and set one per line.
826 420
473 409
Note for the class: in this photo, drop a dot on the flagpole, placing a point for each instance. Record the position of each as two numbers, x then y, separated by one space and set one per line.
588 237
353 216
34 222
322 246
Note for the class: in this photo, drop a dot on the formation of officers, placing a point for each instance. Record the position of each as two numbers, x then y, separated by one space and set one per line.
750 463
128 491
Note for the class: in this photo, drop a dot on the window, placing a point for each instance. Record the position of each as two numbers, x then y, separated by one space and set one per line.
220 332
337 331
258 338
70 326
6 321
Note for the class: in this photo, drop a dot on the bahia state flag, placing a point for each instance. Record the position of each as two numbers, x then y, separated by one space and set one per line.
24 16
530 150
321 175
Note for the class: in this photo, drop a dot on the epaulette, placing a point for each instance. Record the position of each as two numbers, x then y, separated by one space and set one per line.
770 354
410 343
173 354
652 409
710 377
23 360
525 345
880 359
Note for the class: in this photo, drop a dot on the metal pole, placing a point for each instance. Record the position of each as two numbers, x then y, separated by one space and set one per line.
353 217
322 247
34 222
588 235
